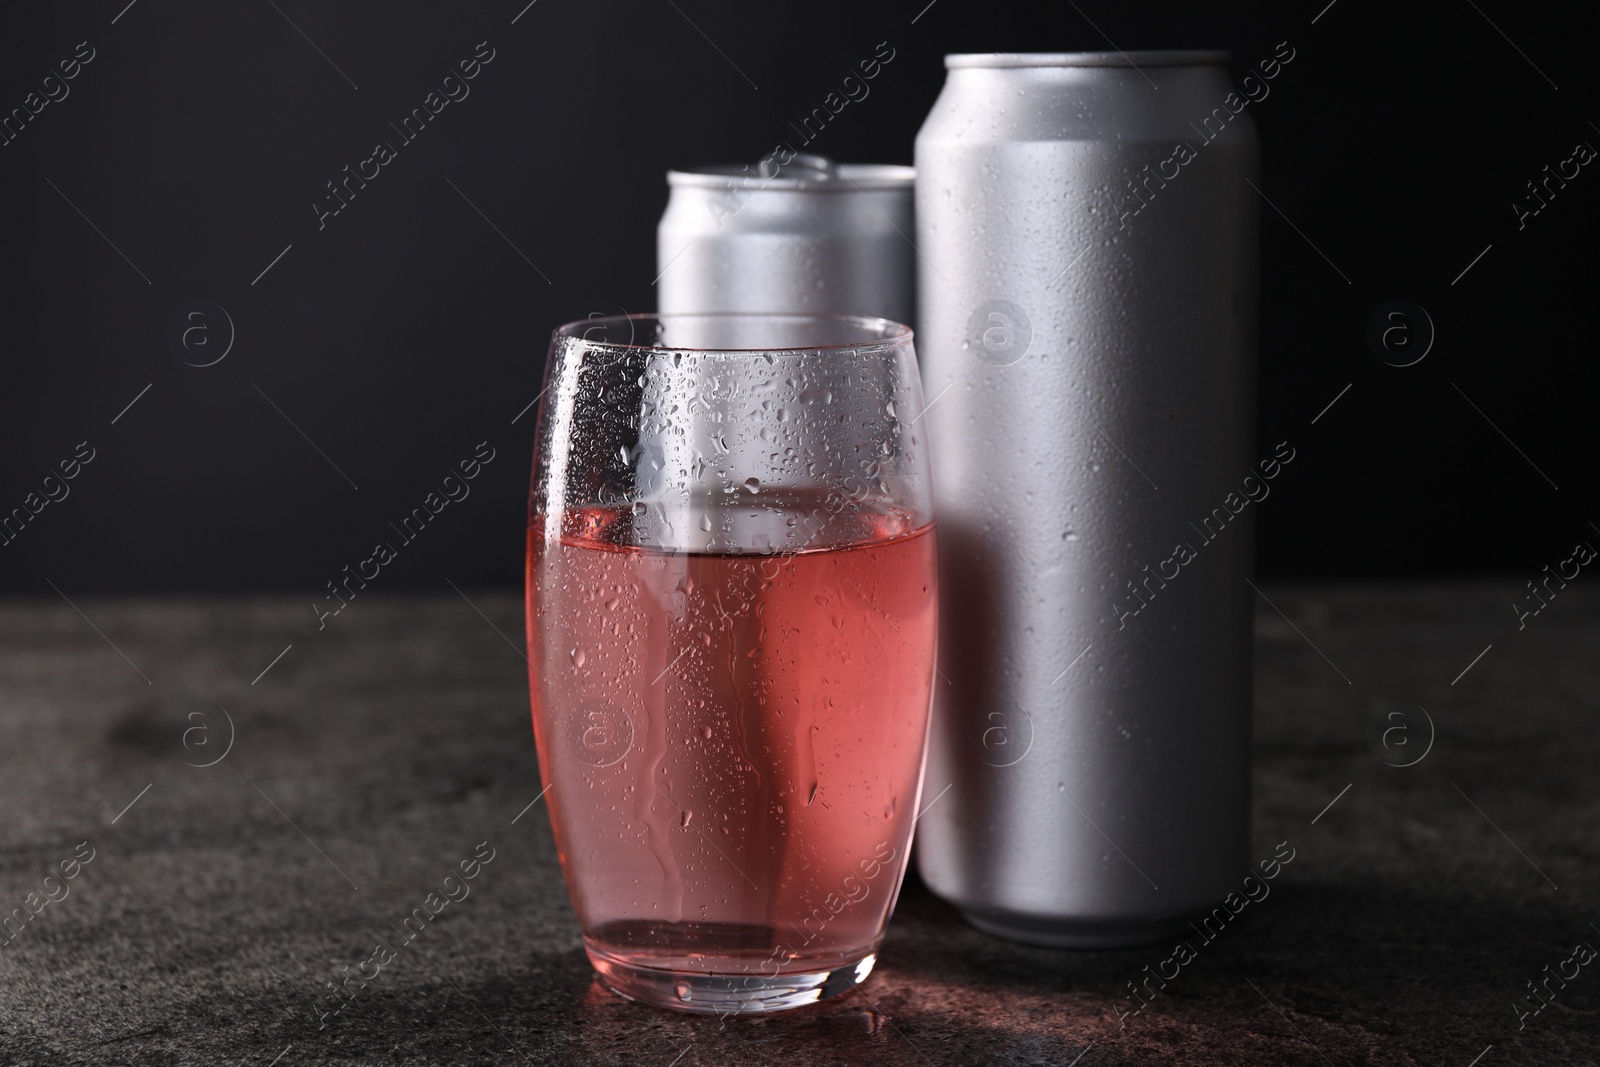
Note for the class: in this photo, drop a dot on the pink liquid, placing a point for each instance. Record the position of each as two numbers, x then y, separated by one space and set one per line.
735 740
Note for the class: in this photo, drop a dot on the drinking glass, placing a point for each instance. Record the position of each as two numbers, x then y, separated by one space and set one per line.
731 632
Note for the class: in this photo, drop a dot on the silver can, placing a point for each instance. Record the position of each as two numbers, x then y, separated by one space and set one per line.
1087 330
793 232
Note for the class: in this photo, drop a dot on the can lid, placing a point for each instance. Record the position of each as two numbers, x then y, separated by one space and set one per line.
1162 58
803 171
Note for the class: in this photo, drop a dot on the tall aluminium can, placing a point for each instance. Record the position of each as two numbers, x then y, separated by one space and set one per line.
1087 331
793 232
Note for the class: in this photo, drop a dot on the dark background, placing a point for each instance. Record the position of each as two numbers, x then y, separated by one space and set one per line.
408 330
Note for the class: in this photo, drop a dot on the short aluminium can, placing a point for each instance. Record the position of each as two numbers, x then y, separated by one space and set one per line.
793 232
1087 333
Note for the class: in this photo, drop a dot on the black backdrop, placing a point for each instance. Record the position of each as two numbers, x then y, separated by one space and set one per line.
382 347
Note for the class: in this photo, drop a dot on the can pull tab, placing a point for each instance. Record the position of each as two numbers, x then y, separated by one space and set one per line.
808 166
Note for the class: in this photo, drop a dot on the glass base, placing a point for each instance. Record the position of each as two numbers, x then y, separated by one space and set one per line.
727 994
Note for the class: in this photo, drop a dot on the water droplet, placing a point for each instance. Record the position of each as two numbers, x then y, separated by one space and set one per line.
687 815
578 657
683 991
812 799
707 732
753 484
639 508
611 605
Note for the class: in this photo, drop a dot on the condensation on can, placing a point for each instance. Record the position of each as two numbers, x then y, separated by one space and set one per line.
1087 334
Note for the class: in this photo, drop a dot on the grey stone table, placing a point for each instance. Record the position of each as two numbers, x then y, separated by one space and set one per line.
219 902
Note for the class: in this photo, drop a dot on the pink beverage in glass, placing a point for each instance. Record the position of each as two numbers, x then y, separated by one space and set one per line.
733 725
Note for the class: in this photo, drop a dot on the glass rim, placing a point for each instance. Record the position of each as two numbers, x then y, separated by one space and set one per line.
878 334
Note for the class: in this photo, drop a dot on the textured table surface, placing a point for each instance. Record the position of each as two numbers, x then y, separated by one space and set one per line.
379 752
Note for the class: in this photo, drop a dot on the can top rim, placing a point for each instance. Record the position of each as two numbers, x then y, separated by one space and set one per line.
848 178
1152 58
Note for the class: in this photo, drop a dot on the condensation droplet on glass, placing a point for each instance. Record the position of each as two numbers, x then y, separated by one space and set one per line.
753 484
578 657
